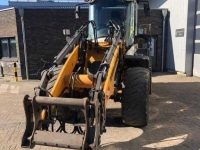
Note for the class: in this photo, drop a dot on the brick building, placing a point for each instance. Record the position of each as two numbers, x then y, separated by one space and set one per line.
44 34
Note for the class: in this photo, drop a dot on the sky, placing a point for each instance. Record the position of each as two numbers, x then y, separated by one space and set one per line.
3 2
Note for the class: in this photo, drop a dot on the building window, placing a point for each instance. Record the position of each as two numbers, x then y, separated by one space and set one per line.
8 48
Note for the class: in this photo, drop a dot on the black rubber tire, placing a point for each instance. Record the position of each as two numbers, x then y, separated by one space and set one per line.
52 81
135 98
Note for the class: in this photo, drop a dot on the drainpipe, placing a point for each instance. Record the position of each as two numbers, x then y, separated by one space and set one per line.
21 13
164 13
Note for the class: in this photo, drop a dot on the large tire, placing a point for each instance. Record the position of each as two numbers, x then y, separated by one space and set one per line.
136 96
52 81
60 110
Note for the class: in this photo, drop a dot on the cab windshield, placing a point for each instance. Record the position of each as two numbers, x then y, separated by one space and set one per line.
102 12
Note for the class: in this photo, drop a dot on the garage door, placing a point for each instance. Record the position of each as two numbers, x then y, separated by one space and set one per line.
196 69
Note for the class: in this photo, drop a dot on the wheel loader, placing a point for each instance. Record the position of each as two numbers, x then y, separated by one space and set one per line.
103 60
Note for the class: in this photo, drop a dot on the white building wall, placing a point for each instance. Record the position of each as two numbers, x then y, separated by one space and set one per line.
196 71
176 48
176 53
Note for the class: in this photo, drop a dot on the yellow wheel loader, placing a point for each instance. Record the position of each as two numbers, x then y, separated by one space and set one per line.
102 61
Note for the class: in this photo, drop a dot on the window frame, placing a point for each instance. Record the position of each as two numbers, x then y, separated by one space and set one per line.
9 48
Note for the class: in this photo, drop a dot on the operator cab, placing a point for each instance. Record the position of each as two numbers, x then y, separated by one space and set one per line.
104 11
121 12
124 14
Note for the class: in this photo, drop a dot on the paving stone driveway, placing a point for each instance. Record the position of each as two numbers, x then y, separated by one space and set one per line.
174 117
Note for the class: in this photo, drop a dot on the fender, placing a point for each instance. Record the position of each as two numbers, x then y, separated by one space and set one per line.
136 61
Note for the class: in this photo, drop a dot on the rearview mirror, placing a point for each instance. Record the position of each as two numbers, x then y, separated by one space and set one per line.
147 9
77 12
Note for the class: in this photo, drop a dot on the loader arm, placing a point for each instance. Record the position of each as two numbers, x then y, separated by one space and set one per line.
88 107
69 106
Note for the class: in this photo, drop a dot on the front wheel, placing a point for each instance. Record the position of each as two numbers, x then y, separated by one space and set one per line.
135 96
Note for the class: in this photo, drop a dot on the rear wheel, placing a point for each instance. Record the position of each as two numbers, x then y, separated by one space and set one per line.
135 96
